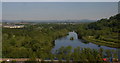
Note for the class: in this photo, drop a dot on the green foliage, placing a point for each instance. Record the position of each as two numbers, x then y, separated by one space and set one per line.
37 39
106 31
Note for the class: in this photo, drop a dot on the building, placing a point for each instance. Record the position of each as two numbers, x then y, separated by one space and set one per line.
13 26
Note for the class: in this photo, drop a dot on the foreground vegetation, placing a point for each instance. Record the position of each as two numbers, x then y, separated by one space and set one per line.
36 41
82 55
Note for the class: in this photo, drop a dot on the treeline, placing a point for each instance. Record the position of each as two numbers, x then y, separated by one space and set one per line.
76 55
31 41
79 54
103 32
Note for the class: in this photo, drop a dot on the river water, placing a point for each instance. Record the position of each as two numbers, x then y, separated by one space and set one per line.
65 41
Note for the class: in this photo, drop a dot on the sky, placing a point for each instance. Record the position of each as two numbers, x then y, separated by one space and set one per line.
60 0
0 11
58 10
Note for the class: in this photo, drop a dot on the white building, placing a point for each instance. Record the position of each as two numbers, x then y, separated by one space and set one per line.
13 26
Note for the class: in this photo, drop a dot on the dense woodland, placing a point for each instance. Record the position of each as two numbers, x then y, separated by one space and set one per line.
103 32
36 41
31 40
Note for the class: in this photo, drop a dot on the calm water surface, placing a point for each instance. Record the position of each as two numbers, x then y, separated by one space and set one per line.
65 41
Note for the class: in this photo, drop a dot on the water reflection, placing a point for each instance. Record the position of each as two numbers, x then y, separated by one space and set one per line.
72 34
65 41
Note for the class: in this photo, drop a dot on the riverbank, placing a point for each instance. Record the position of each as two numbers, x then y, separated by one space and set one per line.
83 43
102 32
101 42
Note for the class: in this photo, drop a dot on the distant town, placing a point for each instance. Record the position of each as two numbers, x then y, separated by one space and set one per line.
12 24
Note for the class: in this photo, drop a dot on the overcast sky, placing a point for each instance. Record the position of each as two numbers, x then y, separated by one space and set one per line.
60 0
0 11
58 11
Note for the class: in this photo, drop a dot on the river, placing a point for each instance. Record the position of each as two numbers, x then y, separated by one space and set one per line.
65 41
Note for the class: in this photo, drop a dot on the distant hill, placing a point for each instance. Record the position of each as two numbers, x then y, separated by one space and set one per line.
51 21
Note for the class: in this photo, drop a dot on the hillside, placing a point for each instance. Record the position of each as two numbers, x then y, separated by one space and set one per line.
113 22
103 32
